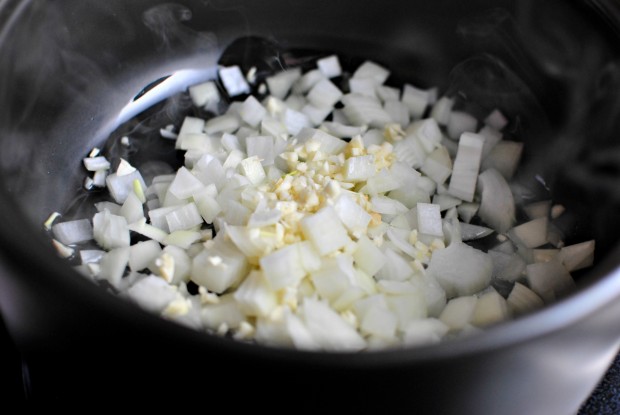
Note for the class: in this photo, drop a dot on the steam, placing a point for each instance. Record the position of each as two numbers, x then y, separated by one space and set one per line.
166 22
559 74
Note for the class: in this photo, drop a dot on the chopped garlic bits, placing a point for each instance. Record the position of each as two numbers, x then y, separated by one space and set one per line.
325 228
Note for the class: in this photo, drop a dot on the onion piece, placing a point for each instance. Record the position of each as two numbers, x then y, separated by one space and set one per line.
442 109
459 312
577 256
531 234
550 280
438 165
152 293
255 296
325 230
497 207
368 257
496 120
461 269
328 329
113 265
398 111
507 266
142 254
460 122
181 239
424 332
219 267
120 186
324 94
491 138
63 250
88 256
330 66
110 231
362 110
184 217
234 81
466 165
307 81
252 112
491 308
204 94
96 163
471 232
226 123
522 300
416 100
372 70
504 158
387 93
429 219
280 84
536 210
132 209
73 232
342 131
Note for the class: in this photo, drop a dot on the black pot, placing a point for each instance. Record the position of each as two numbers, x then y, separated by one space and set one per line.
69 72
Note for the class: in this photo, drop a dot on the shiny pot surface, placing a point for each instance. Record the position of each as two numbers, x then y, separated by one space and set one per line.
70 72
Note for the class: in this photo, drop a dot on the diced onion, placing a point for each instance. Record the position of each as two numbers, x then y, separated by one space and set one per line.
323 219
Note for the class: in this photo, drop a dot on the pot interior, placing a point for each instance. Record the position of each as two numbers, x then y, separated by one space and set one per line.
69 80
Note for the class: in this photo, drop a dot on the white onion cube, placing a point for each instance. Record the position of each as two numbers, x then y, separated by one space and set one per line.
120 186
442 109
234 81
497 206
185 217
550 280
142 254
110 231
352 215
461 122
113 264
491 308
429 219
416 100
359 168
325 230
372 70
252 168
255 296
152 293
219 267
330 66
252 111
461 269
466 166
204 94
368 257
496 119
73 232
324 94
283 267
531 234
280 84
328 329
577 256
458 312
96 163
184 184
